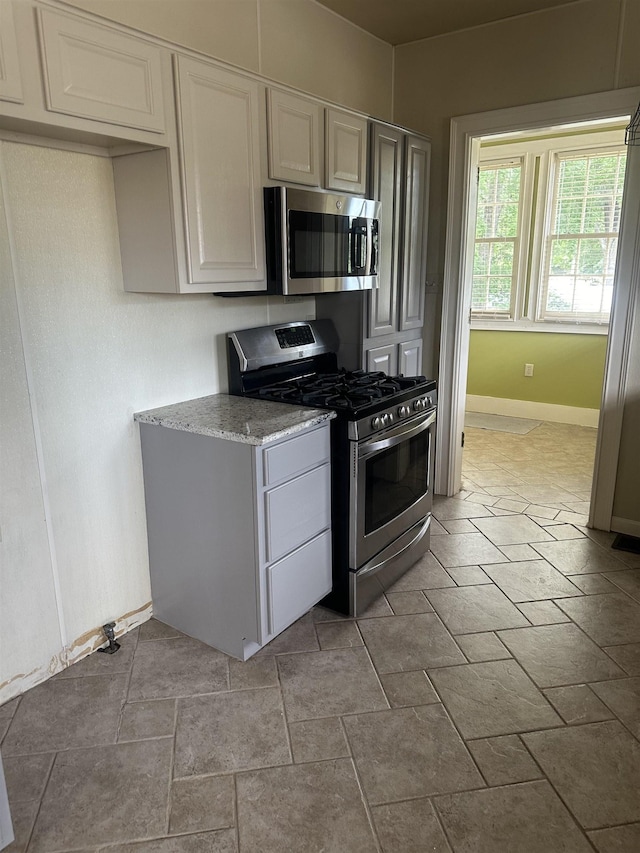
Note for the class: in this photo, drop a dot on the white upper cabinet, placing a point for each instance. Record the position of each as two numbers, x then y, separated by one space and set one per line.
219 130
295 138
387 153
417 163
99 73
346 152
10 77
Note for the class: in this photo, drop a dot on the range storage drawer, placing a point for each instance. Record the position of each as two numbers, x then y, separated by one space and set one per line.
296 511
298 582
295 456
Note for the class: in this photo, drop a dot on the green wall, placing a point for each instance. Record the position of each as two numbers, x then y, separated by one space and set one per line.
568 369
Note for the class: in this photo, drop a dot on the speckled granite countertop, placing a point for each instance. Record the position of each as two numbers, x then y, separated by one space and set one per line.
235 418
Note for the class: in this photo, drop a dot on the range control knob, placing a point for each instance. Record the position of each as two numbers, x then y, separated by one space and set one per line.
384 419
376 422
418 405
403 411
390 418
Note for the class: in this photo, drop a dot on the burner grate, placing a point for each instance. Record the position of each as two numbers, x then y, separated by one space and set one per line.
346 390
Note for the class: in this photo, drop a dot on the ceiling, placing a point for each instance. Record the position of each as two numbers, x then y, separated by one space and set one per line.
401 21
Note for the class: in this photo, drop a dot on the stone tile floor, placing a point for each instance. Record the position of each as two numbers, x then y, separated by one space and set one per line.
490 703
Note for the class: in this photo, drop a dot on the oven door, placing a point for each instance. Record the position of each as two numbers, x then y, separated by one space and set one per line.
391 486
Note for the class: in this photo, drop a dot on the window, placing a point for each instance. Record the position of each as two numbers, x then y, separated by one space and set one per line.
582 242
497 238
547 223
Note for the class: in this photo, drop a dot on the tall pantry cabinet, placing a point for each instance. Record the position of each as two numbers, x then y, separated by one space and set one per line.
382 329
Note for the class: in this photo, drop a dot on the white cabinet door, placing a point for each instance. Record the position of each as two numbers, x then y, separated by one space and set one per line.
295 138
384 359
411 357
417 163
346 152
99 73
298 582
220 144
10 78
386 187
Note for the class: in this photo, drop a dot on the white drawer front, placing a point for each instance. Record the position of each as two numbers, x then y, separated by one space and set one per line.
295 455
298 582
297 511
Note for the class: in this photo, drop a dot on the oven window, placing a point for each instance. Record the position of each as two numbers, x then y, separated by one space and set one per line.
395 479
318 245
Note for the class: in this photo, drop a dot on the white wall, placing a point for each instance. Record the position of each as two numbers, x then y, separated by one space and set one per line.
79 356
297 42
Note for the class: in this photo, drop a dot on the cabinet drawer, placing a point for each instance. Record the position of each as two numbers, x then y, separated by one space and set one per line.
298 582
98 73
295 455
296 511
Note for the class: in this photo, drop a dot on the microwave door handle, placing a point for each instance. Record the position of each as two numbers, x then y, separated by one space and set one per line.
359 250
356 251
370 250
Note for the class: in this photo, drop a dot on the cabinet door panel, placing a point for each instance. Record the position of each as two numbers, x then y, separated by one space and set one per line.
411 357
98 73
298 582
384 359
346 152
386 187
10 78
297 511
417 162
221 173
295 139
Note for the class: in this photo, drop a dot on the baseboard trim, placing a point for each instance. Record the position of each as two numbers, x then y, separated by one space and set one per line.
80 648
535 411
626 526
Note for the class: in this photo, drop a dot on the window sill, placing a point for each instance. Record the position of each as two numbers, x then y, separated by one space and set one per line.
554 328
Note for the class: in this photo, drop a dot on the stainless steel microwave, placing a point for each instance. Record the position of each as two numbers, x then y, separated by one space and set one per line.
319 242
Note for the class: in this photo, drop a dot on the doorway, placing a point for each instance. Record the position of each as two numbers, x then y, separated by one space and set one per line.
466 133
545 243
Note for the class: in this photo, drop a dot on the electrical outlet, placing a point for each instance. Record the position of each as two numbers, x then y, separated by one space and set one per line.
528 370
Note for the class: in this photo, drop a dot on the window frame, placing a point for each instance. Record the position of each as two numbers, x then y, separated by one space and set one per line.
519 265
538 155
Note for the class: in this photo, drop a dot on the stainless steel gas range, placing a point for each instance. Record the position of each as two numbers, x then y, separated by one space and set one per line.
382 449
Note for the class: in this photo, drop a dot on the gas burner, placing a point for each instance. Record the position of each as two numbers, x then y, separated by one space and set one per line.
345 390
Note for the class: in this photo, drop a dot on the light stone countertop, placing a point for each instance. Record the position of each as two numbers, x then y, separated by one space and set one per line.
241 419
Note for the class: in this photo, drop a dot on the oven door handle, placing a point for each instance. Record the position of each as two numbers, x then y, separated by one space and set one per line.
380 563
368 448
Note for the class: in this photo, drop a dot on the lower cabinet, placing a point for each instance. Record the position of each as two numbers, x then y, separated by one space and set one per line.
410 354
404 358
300 577
383 359
239 535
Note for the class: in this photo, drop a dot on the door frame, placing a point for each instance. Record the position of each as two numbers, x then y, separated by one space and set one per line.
465 135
